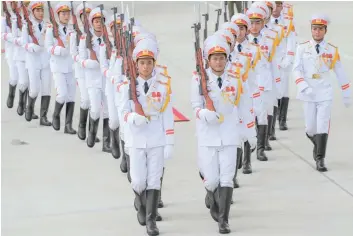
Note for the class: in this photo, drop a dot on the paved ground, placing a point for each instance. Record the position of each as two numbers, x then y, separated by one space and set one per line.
55 185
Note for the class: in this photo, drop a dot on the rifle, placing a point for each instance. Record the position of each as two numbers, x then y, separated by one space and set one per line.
16 10
55 25
225 11
93 55
105 34
115 33
29 24
206 15
7 13
200 68
75 24
219 13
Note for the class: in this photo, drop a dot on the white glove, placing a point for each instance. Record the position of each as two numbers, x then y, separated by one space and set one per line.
140 120
347 101
64 52
210 117
36 48
309 92
252 141
168 151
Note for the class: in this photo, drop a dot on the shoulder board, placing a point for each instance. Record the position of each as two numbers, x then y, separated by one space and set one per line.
256 45
163 78
332 45
275 31
270 37
305 42
232 74
161 66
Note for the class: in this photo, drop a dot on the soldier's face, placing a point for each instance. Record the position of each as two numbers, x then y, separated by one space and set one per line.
64 17
145 67
256 26
218 62
97 24
278 10
318 32
242 33
38 13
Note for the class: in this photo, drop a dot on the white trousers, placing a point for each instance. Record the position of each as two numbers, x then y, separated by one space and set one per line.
13 72
285 77
39 80
98 103
317 117
217 165
112 109
146 168
23 81
81 83
260 110
65 86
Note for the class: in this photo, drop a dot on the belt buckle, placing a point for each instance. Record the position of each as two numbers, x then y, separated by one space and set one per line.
316 76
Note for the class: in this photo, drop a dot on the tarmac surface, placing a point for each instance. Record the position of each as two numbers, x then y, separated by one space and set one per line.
53 184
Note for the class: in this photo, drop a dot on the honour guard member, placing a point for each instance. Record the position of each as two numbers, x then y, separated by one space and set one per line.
79 73
61 67
286 64
37 61
245 48
95 81
266 41
313 61
216 144
6 35
107 70
152 131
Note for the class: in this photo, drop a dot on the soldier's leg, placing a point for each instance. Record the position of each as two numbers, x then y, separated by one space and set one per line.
61 96
22 86
106 133
285 100
95 97
228 162
70 103
84 106
310 114
323 126
270 111
12 82
33 91
155 165
262 127
139 181
45 75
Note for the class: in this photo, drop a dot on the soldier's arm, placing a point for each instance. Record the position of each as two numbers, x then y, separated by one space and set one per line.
168 118
83 51
50 44
298 71
342 78
245 113
196 99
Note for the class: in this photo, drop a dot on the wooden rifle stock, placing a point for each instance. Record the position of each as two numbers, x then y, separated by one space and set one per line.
7 14
75 24
55 25
29 24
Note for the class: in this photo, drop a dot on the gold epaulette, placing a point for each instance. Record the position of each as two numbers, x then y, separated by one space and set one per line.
332 45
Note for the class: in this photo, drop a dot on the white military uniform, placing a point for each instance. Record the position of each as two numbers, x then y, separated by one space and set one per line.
151 139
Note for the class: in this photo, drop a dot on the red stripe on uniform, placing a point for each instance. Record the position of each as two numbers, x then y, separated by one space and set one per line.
344 87
297 81
250 125
262 88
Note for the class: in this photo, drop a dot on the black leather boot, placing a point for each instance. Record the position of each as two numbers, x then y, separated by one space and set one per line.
283 114
44 107
268 132
115 141
128 167
106 136
70 106
313 140
321 143
11 96
273 127
81 131
30 108
56 115
239 160
123 164
261 137
279 104
160 202
92 132
22 100
141 207
214 204
208 199
151 212
225 197
247 159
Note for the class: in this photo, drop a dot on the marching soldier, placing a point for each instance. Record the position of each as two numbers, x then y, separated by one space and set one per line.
152 131
95 81
37 61
6 35
61 67
286 64
313 61
251 74
216 144
266 41
80 75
